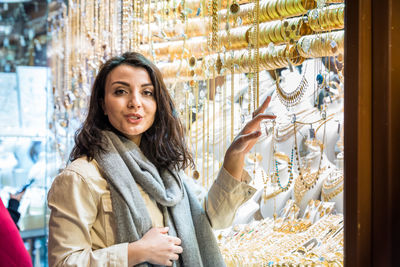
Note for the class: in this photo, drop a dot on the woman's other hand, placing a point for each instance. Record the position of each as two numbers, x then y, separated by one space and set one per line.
244 141
155 247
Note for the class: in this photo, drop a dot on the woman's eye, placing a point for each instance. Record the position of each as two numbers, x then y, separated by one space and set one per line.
119 91
148 93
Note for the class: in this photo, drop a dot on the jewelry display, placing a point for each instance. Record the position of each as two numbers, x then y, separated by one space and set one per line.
326 18
277 32
220 60
321 45
292 243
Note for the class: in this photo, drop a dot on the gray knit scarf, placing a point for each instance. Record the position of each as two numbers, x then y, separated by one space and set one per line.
124 165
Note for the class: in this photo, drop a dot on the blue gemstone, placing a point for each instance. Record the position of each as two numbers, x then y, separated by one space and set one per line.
320 78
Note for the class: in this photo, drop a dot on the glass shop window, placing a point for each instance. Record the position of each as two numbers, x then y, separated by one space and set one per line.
26 150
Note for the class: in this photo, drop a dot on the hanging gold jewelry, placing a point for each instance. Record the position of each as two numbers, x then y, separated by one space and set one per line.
234 8
293 98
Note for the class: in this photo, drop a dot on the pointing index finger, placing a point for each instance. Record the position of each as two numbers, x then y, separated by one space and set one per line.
257 119
263 106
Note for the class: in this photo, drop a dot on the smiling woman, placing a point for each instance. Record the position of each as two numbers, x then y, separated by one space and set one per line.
124 200
121 102
129 101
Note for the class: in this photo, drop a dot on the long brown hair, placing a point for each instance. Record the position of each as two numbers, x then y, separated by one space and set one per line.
163 143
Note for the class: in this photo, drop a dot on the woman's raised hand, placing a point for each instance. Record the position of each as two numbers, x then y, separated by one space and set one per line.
244 141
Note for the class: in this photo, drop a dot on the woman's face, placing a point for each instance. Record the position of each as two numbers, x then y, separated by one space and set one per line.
129 101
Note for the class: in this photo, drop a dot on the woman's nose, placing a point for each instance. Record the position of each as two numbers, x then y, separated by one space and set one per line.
134 100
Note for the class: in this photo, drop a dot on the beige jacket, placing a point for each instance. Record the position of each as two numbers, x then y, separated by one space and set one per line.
82 224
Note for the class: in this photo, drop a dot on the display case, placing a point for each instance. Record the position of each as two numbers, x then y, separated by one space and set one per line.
221 60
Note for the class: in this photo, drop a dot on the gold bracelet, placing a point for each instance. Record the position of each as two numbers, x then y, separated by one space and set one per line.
290 7
263 12
333 18
301 5
341 15
278 32
297 6
264 37
281 8
272 9
271 32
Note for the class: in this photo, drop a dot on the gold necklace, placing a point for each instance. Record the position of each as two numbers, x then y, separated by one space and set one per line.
329 196
329 184
293 98
272 154
256 87
309 178
306 180
214 26
315 179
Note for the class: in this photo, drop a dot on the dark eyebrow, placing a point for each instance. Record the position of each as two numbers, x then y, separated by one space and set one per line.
147 84
127 84
123 83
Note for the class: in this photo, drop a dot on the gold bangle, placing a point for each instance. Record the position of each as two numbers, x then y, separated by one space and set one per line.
274 57
266 62
285 5
333 21
336 17
281 56
312 20
301 6
269 7
271 32
262 58
314 47
290 7
278 32
263 12
299 45
275 9
341 16
297 7
264 40
281 8
321 20
285 8
278 59
325 19
270 60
